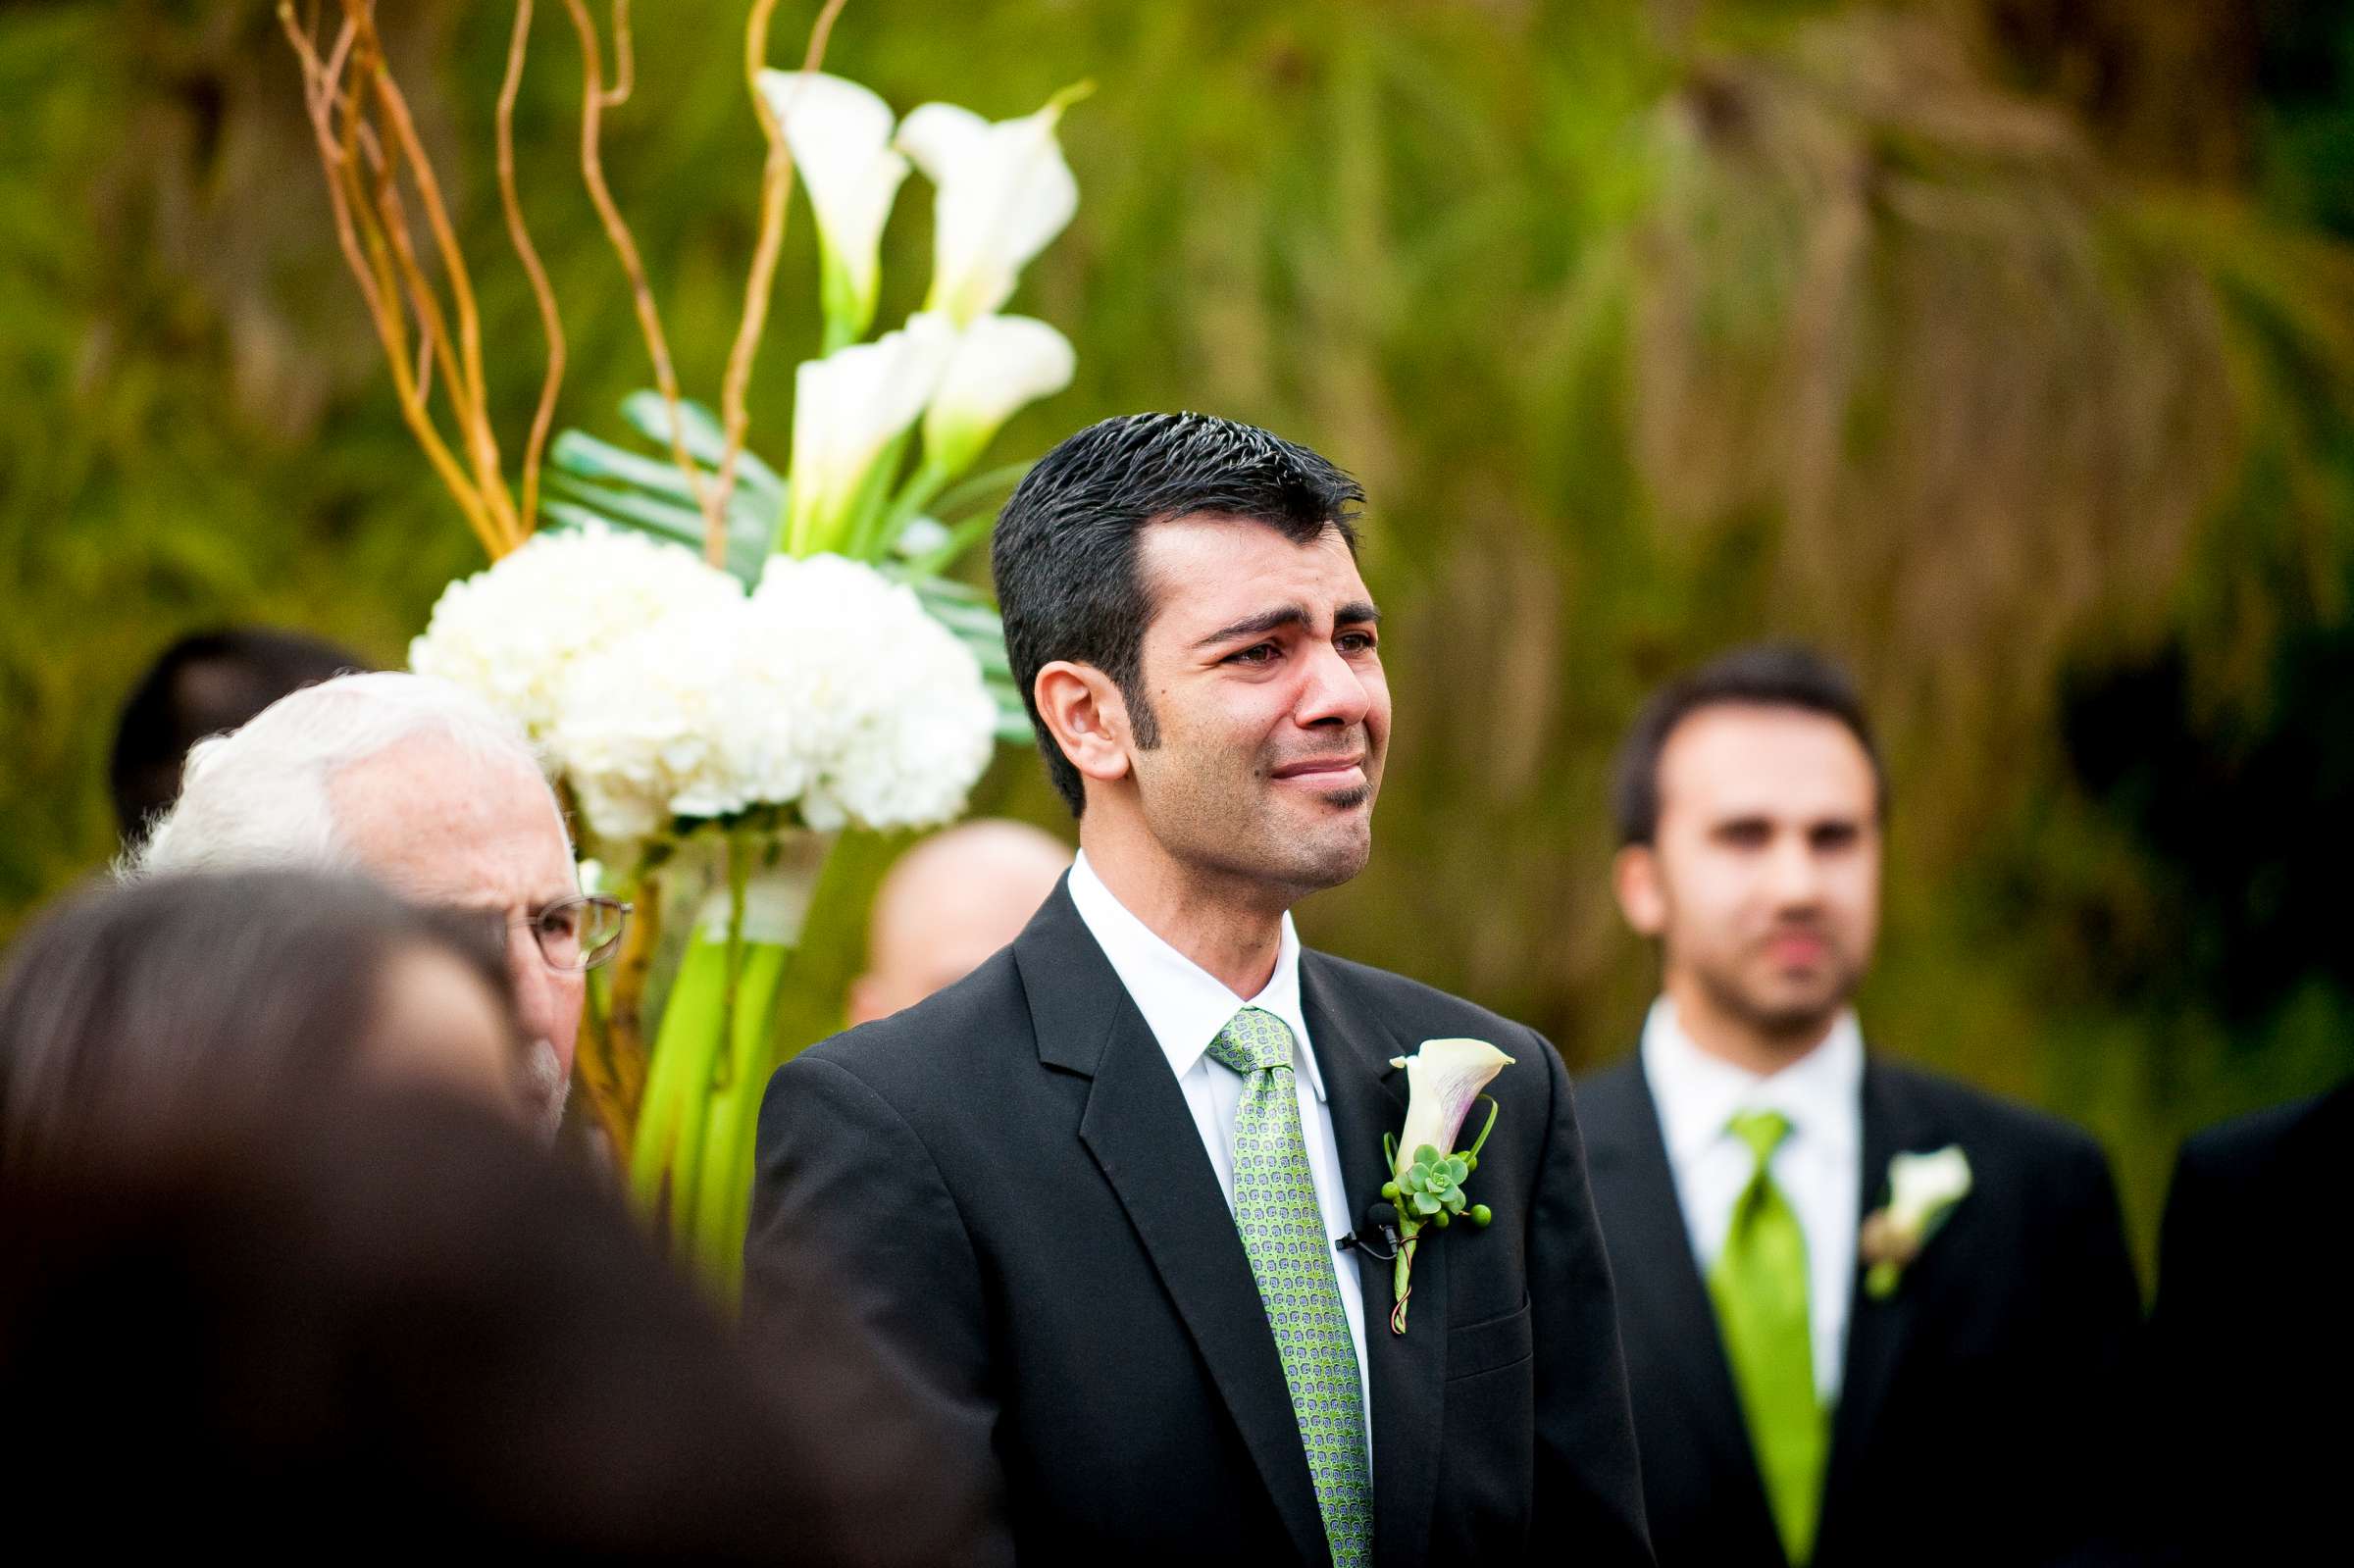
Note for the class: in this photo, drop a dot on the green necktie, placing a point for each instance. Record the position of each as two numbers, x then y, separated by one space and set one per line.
1760 1287
1290 1258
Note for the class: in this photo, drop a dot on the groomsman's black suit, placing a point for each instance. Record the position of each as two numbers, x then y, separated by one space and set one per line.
2253 1339
1977 1419
1004 1185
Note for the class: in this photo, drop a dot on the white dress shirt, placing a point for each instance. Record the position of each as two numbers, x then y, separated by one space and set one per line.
1818 1167
1185 1006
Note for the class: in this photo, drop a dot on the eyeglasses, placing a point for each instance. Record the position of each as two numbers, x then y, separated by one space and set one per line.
573 934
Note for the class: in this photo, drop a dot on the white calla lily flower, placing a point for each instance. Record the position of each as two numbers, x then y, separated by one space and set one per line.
1004 191
1442 1080
847 409
1921 1186
1002 362
839 135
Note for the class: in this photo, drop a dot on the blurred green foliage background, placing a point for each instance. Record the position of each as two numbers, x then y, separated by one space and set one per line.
2003 347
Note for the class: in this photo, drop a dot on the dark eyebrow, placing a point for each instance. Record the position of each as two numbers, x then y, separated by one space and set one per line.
1357 613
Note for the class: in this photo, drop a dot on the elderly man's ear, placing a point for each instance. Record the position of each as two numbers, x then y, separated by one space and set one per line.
1087 715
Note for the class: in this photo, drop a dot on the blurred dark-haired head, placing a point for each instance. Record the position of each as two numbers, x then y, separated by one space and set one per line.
1750 804
139 1014
205 683
1066 554
1759 674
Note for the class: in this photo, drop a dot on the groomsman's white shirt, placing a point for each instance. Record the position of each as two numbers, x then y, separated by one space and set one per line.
1817 1166
1185 1006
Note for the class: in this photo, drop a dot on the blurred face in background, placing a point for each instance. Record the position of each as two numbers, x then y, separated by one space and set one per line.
1264 670
950 903
443 827
1762 884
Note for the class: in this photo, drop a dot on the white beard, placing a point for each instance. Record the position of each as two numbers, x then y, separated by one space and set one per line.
545 1089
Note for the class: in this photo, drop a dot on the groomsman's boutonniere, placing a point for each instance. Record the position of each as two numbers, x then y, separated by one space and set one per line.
1443 1078
1922 1189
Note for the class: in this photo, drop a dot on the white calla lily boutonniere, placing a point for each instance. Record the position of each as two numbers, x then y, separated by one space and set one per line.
1444 1078
840 136
1922 1189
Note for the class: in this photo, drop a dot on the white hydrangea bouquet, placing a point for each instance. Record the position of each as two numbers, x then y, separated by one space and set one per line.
725 664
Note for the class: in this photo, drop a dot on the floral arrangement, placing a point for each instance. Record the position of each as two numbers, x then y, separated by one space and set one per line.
725 661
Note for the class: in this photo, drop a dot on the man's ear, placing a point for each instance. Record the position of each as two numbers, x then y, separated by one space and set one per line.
1084 711
1635 878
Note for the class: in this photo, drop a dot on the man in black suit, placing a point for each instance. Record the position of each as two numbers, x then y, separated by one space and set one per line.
2251 1350
1839 1353
1069 1194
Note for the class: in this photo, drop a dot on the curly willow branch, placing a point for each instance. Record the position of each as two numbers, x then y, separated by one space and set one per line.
552 323
617 229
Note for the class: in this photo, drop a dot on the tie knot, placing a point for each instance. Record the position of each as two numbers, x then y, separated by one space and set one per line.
1253 1040
1762 1130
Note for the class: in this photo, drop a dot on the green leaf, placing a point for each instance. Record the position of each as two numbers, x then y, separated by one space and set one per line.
1457 1170
1454 1199
1427 1155
1424 1204
699 432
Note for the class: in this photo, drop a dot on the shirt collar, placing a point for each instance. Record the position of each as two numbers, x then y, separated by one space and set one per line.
1699 1094
1184 1004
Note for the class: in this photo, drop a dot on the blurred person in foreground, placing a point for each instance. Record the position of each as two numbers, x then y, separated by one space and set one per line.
279 1264
948 903
424 787
1071 1193
133 1015
205 683
1872 1315
275 1244
2250 1353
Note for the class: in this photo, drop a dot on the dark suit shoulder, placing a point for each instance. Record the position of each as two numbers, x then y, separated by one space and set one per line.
2248 1144
1974 1114
1414 1010
941 1045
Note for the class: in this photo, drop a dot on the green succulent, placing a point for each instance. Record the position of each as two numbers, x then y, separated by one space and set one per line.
1432 1187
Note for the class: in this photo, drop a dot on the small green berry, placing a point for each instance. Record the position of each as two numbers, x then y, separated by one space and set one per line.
1481 1214
1389 1190
1440 1219
1471 1162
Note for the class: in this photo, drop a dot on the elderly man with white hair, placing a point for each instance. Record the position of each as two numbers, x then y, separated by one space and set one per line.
418 784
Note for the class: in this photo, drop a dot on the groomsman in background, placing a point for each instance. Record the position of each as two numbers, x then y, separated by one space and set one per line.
2252 1353
1840 1354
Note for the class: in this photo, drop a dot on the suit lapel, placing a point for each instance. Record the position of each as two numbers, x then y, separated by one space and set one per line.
1405 1373
1662 1300
1141 1133
1877 1332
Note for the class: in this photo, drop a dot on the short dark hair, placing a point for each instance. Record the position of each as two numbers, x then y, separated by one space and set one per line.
200 685
1066 547
1760 675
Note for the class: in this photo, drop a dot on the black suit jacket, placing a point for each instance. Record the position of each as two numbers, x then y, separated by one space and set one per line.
1006 1187
2253 1363
1978 1415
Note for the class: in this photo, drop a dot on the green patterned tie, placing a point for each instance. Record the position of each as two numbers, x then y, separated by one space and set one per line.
1760 1287
1283 1235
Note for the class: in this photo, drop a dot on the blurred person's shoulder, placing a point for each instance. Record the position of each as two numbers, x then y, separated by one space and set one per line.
2281 1145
